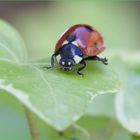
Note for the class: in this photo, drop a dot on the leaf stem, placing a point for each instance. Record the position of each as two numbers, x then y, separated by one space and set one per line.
32 124
83 130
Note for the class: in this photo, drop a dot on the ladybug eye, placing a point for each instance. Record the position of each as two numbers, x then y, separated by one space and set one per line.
63 63
69 63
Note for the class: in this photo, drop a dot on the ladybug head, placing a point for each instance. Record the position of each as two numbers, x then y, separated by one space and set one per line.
66 64
68 56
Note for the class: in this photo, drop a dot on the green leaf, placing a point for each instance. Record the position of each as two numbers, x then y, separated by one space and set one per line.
58 103
10 100
103 128
102 106
12 47
59 98
128 103
98 128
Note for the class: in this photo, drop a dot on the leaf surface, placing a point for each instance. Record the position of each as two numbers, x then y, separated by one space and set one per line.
59 98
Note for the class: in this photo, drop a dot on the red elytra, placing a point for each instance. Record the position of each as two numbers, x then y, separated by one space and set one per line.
88 39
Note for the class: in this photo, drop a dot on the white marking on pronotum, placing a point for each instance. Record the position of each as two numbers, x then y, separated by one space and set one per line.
65 42
75 43
77 59
80 43
58 57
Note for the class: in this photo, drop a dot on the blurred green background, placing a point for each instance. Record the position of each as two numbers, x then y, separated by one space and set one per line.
41 23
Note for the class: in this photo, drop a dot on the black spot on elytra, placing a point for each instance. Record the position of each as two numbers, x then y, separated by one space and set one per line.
71 38
89 29
96 45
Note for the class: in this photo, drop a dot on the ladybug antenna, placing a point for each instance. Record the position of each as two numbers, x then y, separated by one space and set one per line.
71 38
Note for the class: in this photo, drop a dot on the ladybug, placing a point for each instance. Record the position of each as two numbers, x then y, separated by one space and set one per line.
78 44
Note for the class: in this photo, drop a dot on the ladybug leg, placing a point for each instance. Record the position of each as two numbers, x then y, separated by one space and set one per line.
103 60
83 63
53 59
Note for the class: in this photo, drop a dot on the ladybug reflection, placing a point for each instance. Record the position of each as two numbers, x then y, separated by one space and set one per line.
78 44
